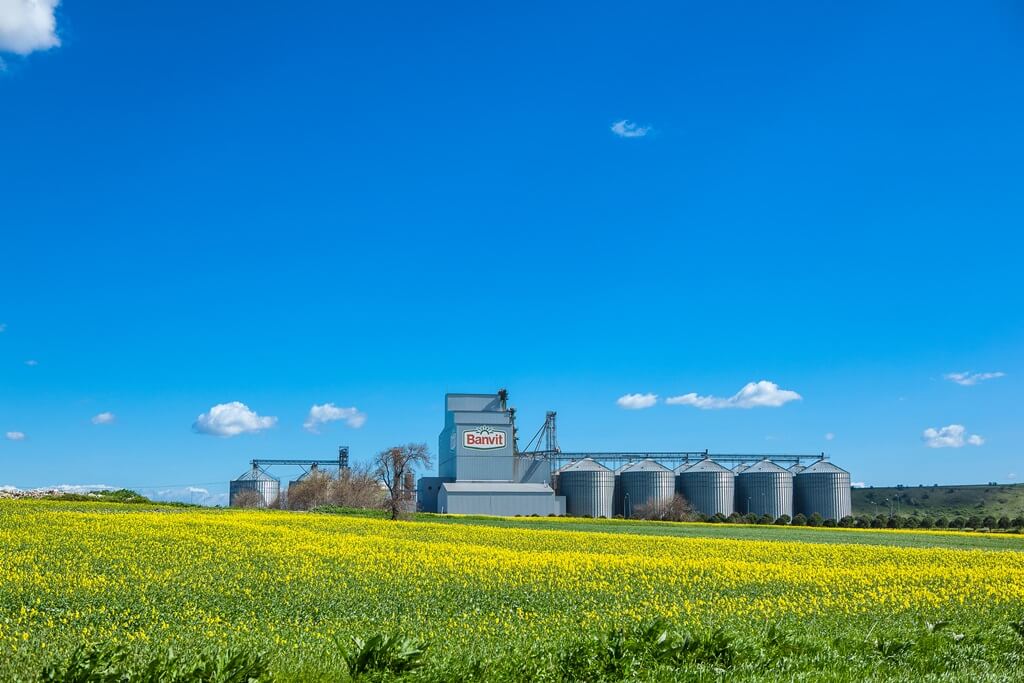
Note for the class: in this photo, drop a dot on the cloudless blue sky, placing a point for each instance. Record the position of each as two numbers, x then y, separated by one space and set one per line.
371 204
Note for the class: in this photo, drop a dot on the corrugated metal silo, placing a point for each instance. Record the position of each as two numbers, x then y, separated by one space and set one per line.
823 488
588 487
708 487
764 488
646 483
797 469
268 488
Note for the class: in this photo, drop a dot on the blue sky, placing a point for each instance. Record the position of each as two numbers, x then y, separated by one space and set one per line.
369 205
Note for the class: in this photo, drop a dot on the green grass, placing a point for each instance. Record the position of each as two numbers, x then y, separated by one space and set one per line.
250 594
949 501
901 538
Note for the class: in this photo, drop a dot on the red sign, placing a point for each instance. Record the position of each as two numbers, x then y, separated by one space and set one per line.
483 438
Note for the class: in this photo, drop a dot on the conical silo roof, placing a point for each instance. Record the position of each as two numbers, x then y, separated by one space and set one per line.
584 465
255 474
707 465
764 466
647 465
823 466
742 467
797 469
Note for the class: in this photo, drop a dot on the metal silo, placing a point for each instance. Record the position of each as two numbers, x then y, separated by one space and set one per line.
797 469
823 488
708 487
646 483
764 488
268 488
588 488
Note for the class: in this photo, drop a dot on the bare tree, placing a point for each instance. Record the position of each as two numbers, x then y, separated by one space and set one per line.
357 487
396 468
246 498
311 491
677 509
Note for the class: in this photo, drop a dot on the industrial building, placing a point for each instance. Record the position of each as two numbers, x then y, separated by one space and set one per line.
268 487
482 470
479 468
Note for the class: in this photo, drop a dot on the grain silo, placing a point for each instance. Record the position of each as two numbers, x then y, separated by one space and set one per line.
646 483
796 469
708 487
267 488
823 488
588 487
764 488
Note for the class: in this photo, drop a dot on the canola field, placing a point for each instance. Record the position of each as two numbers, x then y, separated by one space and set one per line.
474 602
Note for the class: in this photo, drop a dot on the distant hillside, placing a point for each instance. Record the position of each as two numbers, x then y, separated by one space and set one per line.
948 501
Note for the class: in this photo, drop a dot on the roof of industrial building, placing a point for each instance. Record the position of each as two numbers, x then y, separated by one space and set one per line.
707 465
764 466
647 465
496 487
823 466
584 465
256 474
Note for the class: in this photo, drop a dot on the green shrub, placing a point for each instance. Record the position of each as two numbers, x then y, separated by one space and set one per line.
104 664
384 654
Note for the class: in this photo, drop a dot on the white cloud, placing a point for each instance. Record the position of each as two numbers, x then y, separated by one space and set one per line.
30 363
637 401
761 394
830 436
15 436
328 412
858 485
103 418
950 436
28 25
628 129
231 419
967 379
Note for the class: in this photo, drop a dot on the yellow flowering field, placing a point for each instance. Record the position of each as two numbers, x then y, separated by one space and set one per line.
489 602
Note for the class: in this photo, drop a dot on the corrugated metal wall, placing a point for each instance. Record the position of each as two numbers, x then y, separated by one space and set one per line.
587 492
269 490
709 492
765 493
827 493
646 487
